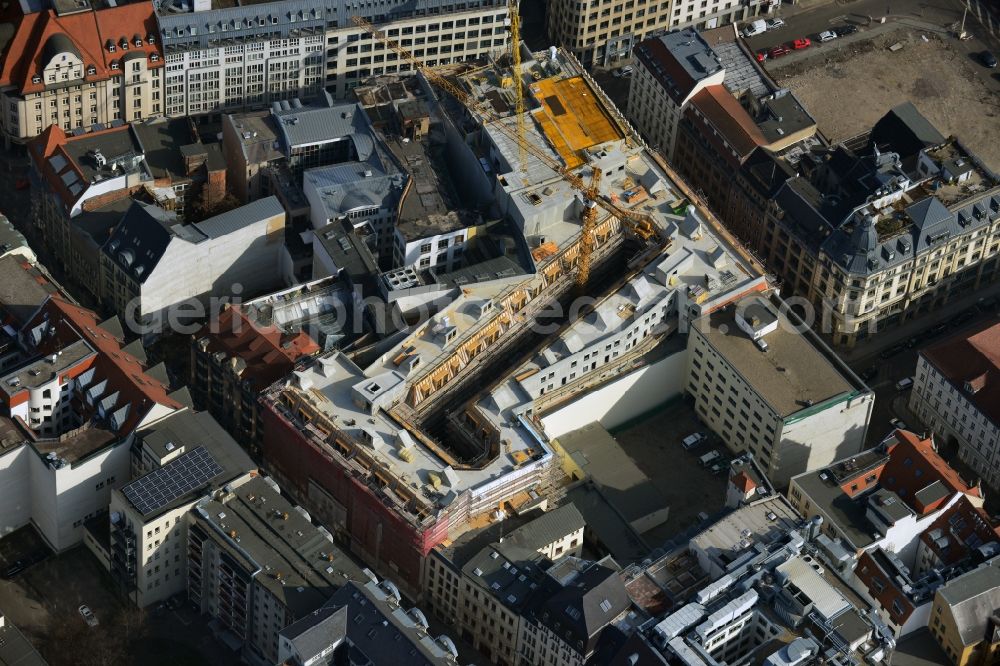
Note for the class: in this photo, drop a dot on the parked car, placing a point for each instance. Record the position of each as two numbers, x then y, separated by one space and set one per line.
757 27
623 72
775 23
761 56
709 458
778 51
88 616
988 59
799 44
827 36
693 440
23 563
904 383
846 29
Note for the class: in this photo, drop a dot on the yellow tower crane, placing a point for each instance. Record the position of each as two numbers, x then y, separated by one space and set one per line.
587 233
515 63
639 223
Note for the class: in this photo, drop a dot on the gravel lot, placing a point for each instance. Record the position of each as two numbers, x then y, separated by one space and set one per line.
847 90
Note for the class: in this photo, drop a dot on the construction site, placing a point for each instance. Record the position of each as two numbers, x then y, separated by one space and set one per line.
445 429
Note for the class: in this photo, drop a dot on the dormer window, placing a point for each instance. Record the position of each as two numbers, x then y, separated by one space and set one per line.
111 46
154 57
114 64
124 45
137 42
150 38
91 70
36 79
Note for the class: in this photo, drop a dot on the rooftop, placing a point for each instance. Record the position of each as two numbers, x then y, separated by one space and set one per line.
23 289
295 560
15 650
792 375
903 467
45 370
186 430
43 35
10 238
339 389
679 60
766 521
602 459
973 599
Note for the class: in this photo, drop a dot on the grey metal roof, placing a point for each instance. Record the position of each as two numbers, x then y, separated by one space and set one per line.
906 130
140 239
973 598
20 293
238 218
588 601
316 632
547 528
692 52
930 223
350 186
322 122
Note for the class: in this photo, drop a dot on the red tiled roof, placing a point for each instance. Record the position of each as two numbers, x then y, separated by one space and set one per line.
51 142
743 483
972 359
89 32
269 354
123 371
913 465
728 118
965 526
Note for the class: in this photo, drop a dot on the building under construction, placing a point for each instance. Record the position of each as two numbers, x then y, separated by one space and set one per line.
439 433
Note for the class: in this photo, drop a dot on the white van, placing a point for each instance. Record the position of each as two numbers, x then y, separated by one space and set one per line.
755 28
709 458
693 440
904 383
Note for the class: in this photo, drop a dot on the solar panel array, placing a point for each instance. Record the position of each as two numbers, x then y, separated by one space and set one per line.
160 487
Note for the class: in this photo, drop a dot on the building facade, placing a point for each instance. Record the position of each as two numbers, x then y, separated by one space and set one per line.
601 32
152 264
954 393
669 70
882 228
221 58
257 564
963 618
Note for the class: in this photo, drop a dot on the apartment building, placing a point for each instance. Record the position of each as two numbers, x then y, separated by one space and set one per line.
883 497
77 66
768 385
225 58
233 358
883 228
576 601
365 623
152 263
482 591
601 32
964 617
670 69
177 461
86 180
955 395
69 413
257 564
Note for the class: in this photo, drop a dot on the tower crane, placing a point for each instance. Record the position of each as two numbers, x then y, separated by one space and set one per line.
515 63
641 224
